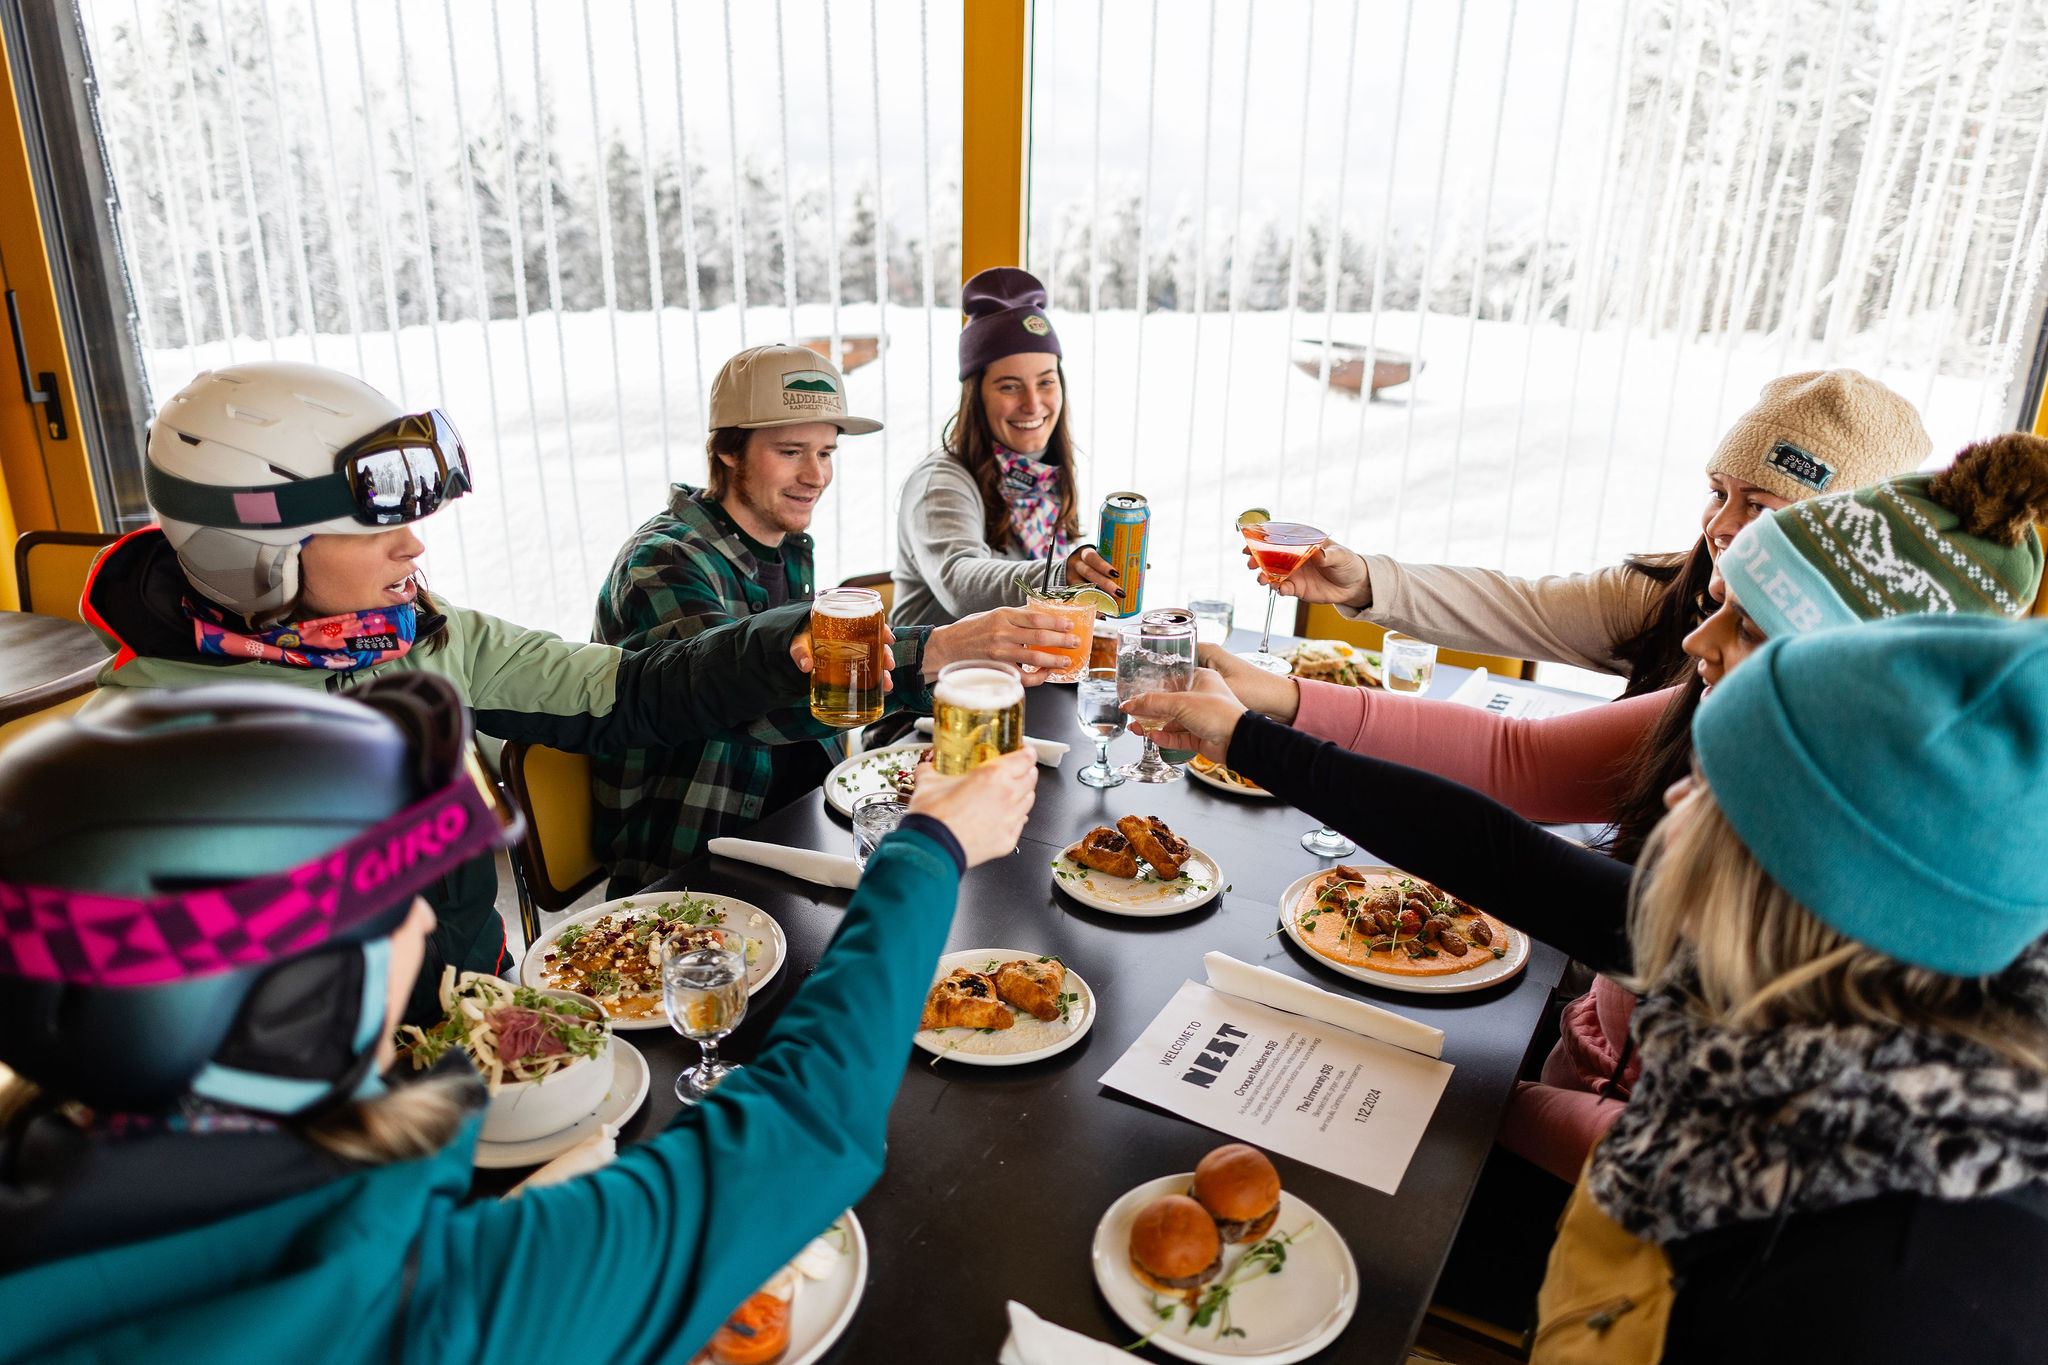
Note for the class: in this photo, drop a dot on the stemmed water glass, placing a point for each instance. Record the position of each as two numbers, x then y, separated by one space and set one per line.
1095 701
1278 548
1155 655
704 989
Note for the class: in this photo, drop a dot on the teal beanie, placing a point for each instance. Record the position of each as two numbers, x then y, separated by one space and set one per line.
1893 778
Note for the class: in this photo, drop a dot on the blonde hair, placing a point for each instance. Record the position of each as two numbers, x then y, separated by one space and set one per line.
1757 959
405 1123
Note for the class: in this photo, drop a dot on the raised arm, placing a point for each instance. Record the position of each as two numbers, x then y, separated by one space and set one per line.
1469 844
943 534
1561 618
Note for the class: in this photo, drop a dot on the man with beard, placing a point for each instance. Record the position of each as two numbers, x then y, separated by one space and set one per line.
720 553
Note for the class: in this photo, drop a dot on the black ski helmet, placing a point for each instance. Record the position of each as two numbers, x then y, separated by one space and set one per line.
180 793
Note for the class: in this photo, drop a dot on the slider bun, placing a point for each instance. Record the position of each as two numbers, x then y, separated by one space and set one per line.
1174 1246
1237 1184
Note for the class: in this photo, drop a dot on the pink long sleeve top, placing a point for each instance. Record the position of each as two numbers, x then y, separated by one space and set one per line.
1553 769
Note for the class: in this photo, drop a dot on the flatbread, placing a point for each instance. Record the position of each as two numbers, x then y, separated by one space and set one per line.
1333 938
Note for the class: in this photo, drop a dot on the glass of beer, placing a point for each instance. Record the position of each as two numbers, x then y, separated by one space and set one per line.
977 714
1104 643
847 644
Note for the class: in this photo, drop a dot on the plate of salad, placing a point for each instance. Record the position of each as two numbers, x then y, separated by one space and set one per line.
612 952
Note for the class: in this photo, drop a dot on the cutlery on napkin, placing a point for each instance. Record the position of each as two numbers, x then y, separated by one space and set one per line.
826 869
1049 751
1268 987
1034 1341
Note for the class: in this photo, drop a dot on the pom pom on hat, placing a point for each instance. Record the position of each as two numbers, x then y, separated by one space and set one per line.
1005 310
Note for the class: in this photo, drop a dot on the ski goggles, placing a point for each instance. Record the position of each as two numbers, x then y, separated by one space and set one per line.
403 471
88 938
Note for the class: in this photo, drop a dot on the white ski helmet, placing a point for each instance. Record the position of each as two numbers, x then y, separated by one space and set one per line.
224 448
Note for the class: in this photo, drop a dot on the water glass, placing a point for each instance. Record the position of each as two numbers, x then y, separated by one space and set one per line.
1102 720
1213 617
1407 664
704 990
1157 655
874 816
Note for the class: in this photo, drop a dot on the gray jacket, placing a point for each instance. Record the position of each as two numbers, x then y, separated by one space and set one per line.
945 567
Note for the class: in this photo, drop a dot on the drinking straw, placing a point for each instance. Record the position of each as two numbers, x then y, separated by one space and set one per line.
1052 544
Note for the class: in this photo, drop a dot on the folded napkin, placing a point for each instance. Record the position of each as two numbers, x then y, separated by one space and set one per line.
1034 1341
1049 751
593 1153
1268 987
826 869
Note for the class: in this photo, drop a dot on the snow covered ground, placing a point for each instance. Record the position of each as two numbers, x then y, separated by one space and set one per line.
1533 448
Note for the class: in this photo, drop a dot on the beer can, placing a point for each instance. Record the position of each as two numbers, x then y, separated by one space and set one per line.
1126 519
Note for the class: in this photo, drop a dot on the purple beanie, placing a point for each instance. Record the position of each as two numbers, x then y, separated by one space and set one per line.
1005 310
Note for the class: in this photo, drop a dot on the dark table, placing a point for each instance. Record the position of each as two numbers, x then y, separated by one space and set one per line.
44 660
996 1176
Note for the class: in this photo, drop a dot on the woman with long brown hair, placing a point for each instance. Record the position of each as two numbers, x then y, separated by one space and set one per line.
1000 493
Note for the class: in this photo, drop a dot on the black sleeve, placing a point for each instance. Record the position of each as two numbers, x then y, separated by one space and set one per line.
714 683
1477 849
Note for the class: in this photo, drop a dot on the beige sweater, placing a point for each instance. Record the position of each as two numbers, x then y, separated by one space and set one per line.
1563 618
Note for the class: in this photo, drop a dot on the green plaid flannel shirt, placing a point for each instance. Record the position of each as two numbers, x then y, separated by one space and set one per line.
683 572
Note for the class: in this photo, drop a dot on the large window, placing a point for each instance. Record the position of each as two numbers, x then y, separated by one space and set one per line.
1567 241
1583 234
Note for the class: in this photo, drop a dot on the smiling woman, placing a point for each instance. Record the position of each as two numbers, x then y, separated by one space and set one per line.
1001 490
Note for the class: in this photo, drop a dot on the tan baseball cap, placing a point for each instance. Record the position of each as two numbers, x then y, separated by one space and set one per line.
782 386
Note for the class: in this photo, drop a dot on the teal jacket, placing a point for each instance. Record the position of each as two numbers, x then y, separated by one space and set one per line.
640 1261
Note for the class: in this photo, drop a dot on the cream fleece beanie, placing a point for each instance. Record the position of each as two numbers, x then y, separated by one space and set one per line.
1825 431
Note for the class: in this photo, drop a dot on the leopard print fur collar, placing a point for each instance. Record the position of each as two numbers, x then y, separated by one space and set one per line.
1727 1127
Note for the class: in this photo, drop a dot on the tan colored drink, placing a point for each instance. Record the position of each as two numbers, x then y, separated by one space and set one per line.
977 715
847 657
1103 644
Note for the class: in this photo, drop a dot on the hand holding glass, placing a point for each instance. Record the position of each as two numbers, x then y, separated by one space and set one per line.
1278 548
977 714
1157 655
848 658
704 989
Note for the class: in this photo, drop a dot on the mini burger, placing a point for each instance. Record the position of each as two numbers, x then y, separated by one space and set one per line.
1174 1248
1241 1191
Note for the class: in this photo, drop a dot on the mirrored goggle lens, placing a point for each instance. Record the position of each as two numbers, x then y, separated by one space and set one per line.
406 483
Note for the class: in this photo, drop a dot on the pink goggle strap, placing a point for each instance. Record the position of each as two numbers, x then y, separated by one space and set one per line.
86 938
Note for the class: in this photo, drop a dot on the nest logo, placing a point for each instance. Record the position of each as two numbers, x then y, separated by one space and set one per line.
1214 1056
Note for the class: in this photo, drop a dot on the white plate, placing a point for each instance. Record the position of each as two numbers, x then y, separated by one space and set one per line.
1211 780
863 773
629 1088
756 923
1284 1317
823 1308
1200 881
1028 1040
1479 978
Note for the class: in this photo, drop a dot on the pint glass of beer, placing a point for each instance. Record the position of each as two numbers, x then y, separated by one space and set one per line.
847 657
977 714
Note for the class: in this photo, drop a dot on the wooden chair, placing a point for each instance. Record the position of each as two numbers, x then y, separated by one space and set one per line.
51 568
881 583
1316 621
553 861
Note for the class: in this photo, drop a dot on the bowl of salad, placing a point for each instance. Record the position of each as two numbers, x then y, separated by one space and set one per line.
545 1055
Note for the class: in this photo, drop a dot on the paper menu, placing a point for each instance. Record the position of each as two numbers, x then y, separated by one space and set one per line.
1503 697
1348 1104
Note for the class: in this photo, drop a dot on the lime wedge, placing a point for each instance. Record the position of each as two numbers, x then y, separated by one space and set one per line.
1096 598
1253 517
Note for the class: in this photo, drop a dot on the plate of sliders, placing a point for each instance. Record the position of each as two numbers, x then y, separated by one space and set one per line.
1219 1264
804 1308
1225 779
1380 925
878 770
1139 868
1003 1007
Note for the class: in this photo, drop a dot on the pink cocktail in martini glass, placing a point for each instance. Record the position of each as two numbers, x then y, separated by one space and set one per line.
1278 548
